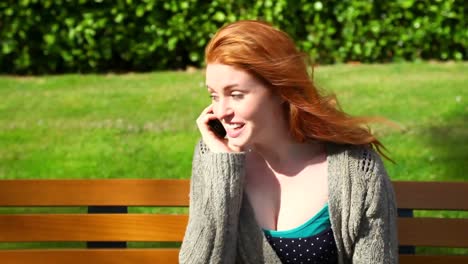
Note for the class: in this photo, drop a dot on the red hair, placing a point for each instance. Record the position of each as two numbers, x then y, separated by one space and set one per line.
270 55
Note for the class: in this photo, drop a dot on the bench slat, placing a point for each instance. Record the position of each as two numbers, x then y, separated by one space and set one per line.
156 227
90 256
95 227
441 232
432 195
407 259
151 192
107 192
150 256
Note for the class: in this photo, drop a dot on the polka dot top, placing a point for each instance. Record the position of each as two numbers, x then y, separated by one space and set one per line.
311 242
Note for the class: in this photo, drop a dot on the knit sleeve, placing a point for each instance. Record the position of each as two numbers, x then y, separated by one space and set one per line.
376 241
215 201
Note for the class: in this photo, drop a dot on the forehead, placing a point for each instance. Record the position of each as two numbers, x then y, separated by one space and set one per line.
221 75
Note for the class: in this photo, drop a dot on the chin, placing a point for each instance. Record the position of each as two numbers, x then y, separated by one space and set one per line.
237 143
241 142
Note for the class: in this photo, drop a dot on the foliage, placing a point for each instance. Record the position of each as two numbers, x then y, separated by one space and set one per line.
54 36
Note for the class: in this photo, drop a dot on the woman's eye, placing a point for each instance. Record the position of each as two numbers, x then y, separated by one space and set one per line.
237 96
214 97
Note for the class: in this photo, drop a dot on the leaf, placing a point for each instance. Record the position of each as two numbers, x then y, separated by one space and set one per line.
219 16
172 43
119 18
49 39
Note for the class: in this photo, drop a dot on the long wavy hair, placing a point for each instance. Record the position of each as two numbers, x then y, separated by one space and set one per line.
271 56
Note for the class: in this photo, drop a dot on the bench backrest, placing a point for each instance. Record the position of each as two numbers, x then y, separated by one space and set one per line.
33 227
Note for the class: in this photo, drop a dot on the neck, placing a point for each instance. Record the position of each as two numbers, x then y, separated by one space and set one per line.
281 152
285 154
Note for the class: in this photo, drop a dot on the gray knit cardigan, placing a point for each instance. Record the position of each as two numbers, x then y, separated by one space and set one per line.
222 226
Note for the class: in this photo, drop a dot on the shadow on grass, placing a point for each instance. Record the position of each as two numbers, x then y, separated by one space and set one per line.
449 142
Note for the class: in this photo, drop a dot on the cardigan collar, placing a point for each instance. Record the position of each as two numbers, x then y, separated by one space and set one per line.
252 241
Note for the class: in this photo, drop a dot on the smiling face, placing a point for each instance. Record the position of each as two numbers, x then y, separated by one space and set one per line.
247 109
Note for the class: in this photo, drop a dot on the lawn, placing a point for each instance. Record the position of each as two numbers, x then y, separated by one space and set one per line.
143 125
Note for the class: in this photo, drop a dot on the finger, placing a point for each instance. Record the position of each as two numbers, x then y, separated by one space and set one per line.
204 119
206 115
208 109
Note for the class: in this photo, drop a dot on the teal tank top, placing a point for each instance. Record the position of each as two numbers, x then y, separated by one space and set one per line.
315 225
311 242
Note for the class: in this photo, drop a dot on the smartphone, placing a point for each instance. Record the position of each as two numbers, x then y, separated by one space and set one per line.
217 128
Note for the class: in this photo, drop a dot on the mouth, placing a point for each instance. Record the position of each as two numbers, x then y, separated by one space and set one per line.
233 130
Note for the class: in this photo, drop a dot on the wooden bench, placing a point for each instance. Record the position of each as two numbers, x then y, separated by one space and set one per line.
121 227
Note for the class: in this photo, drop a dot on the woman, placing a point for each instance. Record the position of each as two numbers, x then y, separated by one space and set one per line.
295 180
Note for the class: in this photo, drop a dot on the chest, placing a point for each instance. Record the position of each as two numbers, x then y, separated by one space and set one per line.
282 202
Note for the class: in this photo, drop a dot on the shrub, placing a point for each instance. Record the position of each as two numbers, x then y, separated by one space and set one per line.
55 36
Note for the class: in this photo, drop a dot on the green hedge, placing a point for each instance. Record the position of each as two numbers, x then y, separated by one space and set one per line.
54 36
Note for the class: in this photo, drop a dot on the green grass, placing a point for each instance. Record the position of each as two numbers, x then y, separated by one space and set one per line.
91 126
143 125
427 100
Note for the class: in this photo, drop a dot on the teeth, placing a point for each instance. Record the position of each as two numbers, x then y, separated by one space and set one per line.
234 125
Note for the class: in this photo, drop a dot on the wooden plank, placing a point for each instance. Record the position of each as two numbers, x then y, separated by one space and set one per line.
150 192
432 195
439 232
90 256
127 192
150 256
95 227
408 259
143 256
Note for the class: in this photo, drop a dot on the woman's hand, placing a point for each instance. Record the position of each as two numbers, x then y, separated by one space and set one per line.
215 143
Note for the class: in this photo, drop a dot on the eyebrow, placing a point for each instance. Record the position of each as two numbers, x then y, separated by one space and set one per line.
227 87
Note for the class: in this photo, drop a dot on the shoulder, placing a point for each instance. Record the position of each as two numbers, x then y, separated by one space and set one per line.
361 170
367 165
362 161
363 178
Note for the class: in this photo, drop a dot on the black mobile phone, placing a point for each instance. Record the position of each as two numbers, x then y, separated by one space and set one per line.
217 128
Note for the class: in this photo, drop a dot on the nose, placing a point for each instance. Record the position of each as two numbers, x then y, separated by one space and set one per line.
223 109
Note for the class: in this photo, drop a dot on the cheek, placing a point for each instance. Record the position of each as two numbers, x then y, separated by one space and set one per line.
259 111
249 112
267 116
216 109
